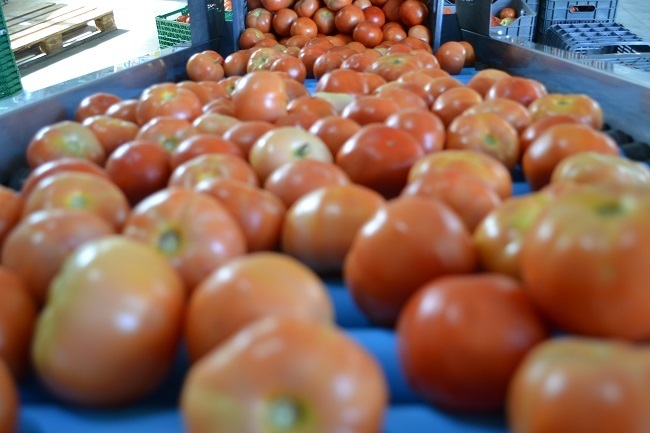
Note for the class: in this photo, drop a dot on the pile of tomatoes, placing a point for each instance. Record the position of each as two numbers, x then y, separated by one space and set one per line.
209 213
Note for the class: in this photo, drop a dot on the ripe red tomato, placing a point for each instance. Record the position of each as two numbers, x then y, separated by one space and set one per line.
18 312
168 100
334 131
536 128
64 139
245 134
250 288
341 81
291 65
38 246
347 18
485 133
596 168
511 111
260 95
192 230
368 33
282 21
582 107
125 110
203 67
248 39
213 165
379 157
425 126
55 166
439 85
139 168
451 56
453 102
259 213
319 228
260 19
390 67
370 109
111 132
116 306
461 338
484 79
403 245
214 123
202 144
601 234
95 104
468 196
312 104
78 190
559 142
262 58
168 131
578 384
11 209
413 12
207 91
234 65
285 386
522 90
9 411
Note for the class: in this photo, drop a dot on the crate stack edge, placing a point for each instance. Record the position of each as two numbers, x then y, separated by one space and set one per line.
10 80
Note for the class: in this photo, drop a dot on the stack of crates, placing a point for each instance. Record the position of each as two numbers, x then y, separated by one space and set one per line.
9 75
172 32
553 12
476 16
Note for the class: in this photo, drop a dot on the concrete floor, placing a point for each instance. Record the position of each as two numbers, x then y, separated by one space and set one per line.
136 36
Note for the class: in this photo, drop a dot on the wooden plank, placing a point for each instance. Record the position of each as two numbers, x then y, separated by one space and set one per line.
34 17
15 9
57 27
45 20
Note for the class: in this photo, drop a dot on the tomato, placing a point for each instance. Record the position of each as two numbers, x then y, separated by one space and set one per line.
9 411
461 338
511 111
375 15
371 81
401 93
250 288
367 33
306 8
484 79
78 190
11 209
192 230
404 244
38 246
470 55
262 59
111 132
259 213
125 110
453 102
599 233
18 312
168 101
229 84
320 226
296 178
440 85
260 19
370 109
139 168
292 65
324 19
247 40
567 385
487 133
522 90
425 126
413 12
218 106
390 67
214 123
334 131
202 144
285 144
203 67
596 168
559 142
379 157
292 386
303 26
235 64
536 128
115 306
55 166
499 236
336 5
209 166
582 107
244 134
168 131
64 139
312 104
451 56
393 34
260 95
468 196
282 21
341 81
95 104
275 5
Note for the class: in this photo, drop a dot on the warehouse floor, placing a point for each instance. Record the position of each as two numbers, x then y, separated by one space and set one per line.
136 37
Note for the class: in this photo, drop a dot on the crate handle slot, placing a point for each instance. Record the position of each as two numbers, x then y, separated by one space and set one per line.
582 8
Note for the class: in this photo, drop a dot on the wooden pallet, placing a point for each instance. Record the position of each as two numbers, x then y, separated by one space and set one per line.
46 26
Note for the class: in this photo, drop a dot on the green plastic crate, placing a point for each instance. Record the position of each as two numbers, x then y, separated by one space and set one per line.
10 82
172 32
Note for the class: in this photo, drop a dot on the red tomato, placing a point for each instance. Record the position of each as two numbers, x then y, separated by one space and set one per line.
192 230
55 166
392 66
202 144
347 18
522 90
111 132
168 131
38 246
11 209
116 306
582 107
596 168
125 110
484 79
245 134
453 102
258 212
334 131
558 142
536 128
379 157
319 228
260 95
439 85
318 106
171 101
77 190
95 104
291 65
580 385
260 19
402 246
139 169
64 139
18 312
285 386
468 196
461 338
203 67
485 133
282 21
250 288
425 126
262 58
413 12
212 165
511 111
341 81
367 33
214 123
451 56
601 235
370 109
9 410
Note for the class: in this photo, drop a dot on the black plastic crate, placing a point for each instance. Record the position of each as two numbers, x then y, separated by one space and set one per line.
595 38
475 15
553 12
